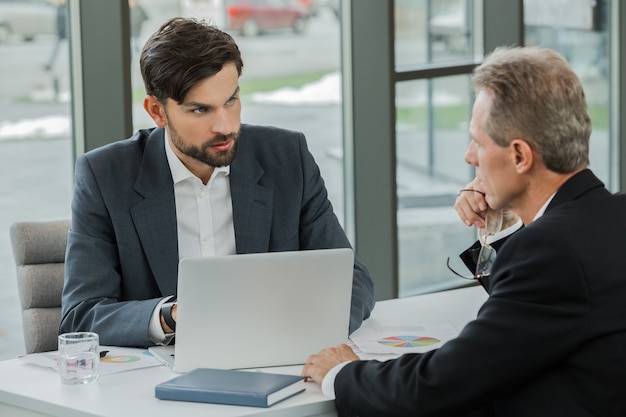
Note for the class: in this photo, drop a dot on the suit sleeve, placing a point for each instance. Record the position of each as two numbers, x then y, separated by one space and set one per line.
537 279
93 288
319 228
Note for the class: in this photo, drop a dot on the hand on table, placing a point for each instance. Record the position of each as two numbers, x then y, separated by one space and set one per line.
318 365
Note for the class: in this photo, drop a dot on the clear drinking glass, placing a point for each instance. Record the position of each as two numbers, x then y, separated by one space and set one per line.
79 357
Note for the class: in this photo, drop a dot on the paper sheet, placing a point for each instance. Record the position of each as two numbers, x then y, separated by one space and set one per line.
117 359
397 340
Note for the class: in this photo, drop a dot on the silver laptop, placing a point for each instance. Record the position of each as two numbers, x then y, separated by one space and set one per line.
259 310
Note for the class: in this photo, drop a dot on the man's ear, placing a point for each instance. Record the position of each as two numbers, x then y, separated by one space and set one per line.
155 109
522 155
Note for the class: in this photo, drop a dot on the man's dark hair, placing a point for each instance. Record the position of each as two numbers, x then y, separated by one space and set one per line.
182 53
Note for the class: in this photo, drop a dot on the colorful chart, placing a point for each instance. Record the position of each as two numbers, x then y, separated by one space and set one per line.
408 341
120 359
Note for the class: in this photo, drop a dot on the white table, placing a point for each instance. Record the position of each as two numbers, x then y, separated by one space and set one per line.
27 390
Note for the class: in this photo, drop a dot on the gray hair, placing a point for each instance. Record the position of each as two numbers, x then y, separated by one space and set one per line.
537 97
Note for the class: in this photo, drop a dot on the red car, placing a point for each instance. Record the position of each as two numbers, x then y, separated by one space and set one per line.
252 17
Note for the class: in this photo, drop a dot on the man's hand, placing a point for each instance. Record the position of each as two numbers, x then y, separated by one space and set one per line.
317 366
471 205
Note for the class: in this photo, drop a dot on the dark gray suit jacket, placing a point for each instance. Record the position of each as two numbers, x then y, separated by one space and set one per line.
550 339
122 254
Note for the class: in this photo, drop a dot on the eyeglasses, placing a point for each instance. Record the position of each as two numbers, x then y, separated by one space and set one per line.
487 254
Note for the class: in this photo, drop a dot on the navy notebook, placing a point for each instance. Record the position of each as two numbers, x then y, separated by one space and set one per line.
224 386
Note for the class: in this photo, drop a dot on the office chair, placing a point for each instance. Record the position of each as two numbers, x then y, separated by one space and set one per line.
39 253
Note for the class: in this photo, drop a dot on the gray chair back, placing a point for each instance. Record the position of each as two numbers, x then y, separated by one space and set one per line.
39 253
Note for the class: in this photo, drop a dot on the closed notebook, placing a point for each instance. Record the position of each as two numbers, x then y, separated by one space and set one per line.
223 386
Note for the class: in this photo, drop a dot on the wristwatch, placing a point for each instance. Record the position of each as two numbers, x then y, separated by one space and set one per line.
166 311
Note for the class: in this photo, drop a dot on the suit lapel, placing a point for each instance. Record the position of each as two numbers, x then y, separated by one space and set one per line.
252 204
155 216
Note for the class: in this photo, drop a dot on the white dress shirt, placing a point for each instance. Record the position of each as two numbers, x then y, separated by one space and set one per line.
204 217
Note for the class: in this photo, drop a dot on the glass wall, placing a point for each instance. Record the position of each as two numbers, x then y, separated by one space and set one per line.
434 31
35 137
579 30
432 116
433 38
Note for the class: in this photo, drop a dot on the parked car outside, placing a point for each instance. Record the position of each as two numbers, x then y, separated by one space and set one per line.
26 19
253 17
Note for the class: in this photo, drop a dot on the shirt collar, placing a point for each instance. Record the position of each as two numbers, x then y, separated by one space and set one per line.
543 208
179 171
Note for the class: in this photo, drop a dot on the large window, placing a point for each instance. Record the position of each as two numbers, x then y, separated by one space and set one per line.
433 38
579 30
35 137
433 100
432 116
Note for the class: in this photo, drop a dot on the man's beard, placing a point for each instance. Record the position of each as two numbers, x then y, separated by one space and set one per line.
201 153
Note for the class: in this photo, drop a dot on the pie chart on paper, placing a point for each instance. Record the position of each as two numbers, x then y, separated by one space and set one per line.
408 341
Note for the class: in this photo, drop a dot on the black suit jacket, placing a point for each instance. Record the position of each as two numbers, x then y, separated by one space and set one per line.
549 341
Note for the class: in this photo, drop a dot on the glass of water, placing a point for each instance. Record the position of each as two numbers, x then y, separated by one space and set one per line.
79 357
